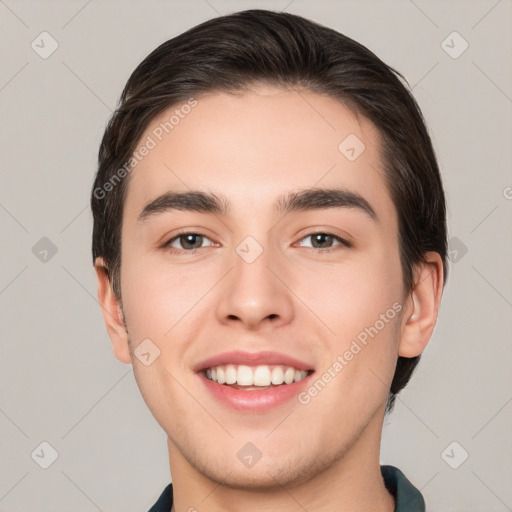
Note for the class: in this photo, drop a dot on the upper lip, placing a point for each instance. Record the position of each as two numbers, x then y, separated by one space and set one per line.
252 359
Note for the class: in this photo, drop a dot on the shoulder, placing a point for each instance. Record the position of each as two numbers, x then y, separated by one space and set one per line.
408 498
164 502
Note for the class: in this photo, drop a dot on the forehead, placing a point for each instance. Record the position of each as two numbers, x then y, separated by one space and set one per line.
256 146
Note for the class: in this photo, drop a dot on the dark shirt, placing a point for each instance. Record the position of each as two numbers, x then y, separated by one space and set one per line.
407 497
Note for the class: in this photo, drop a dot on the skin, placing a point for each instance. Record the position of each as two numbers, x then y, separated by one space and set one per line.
322 456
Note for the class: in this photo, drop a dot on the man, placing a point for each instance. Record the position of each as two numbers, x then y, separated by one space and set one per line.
270 247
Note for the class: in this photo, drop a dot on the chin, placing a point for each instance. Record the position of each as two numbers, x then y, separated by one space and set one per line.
265 475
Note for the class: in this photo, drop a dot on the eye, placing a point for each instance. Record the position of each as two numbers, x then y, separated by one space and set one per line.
322 242
189 242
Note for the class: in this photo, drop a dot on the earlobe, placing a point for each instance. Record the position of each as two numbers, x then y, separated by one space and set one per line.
112 313
420 314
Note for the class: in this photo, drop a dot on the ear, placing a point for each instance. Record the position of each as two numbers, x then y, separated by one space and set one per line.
420 313
112 313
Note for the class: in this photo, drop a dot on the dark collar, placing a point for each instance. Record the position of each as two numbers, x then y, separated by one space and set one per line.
407 497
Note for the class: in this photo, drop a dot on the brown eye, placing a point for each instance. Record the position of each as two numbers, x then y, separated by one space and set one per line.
320 240
324 242
188 242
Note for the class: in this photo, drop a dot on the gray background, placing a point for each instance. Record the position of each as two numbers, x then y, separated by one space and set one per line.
59 381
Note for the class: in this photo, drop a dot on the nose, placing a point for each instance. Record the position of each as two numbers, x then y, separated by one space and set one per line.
255 293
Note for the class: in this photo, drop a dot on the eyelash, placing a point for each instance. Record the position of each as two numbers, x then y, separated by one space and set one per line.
172 250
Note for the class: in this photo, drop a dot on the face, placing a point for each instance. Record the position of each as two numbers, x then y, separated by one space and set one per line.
263 288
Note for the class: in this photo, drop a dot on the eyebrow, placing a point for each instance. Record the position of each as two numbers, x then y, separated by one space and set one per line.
302 200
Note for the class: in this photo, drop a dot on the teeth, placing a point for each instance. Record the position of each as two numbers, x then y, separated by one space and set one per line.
244 376
277 375
289 375
230 374
262 376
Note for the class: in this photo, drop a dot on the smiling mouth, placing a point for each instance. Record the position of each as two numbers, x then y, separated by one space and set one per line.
251 378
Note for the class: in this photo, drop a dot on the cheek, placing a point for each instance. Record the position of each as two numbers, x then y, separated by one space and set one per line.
361 305
351 296
156 296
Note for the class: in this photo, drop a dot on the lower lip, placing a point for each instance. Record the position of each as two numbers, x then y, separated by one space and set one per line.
254 400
